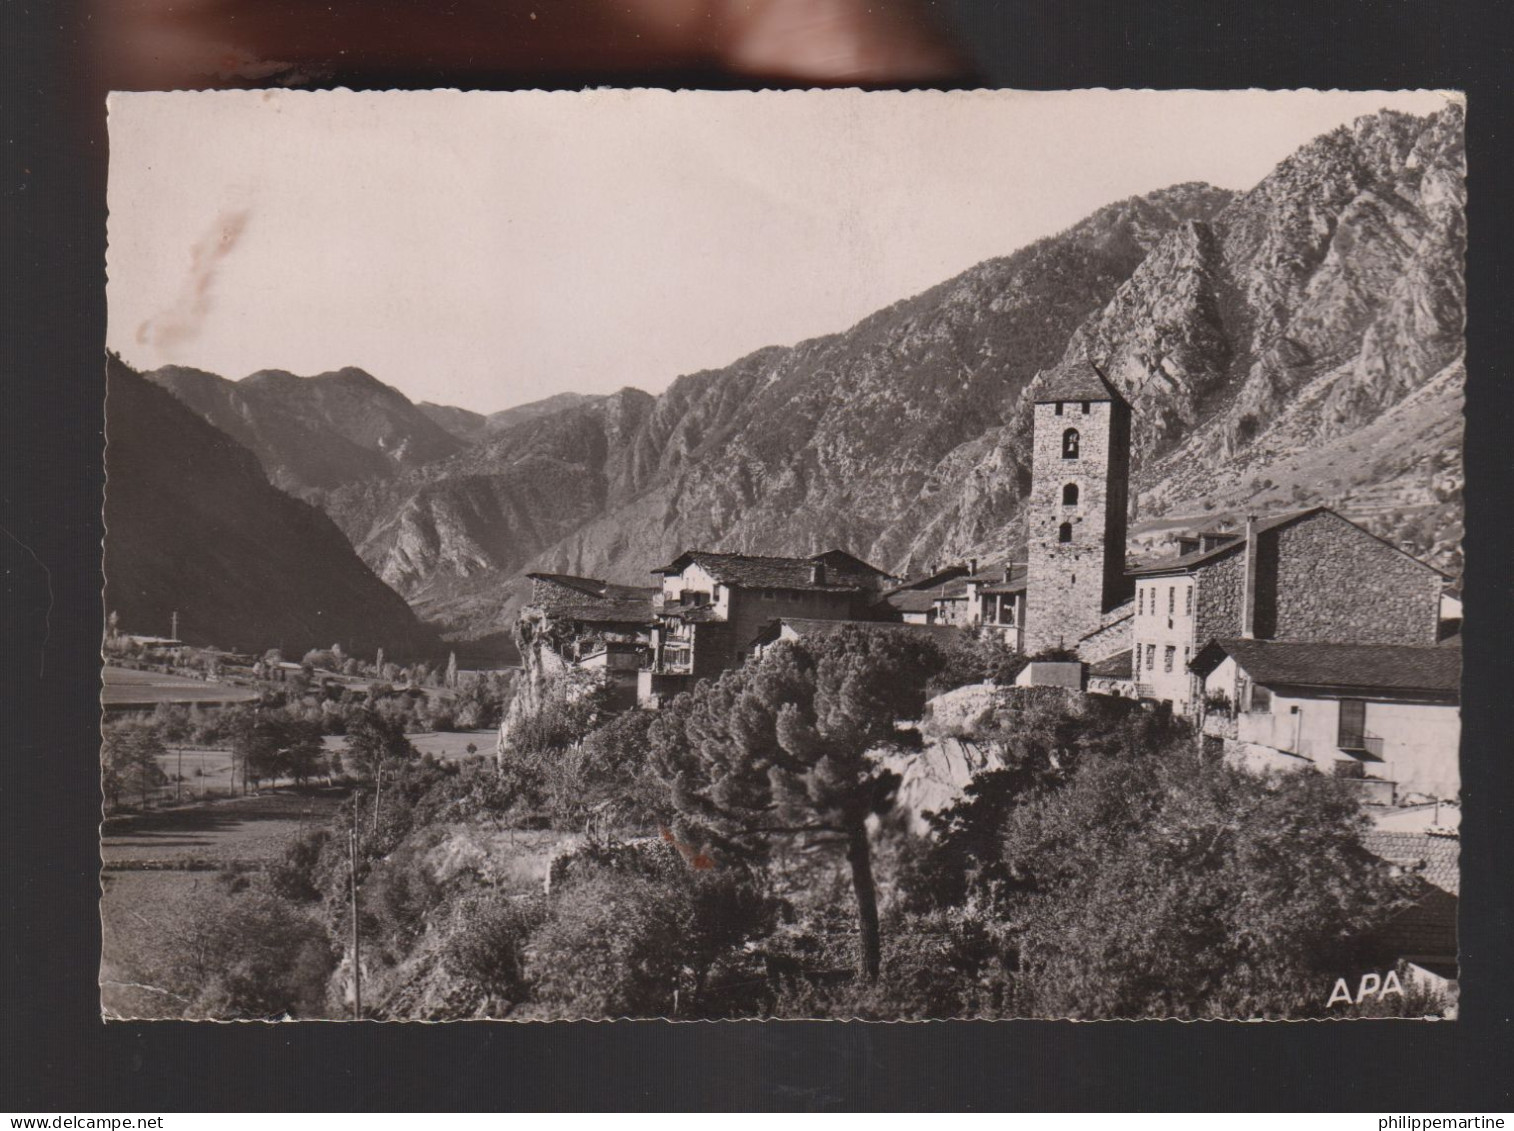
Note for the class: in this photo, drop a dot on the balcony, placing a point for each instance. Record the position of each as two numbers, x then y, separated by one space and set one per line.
1368 746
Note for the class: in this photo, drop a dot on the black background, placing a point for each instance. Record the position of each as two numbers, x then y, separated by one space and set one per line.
55 1054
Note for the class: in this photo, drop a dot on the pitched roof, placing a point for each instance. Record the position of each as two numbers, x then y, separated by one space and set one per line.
593 586
1118 666
808 626
1019 574
1200 557
754 572
910 600
1435 859
1396 668
1183 562
1081 381
592 600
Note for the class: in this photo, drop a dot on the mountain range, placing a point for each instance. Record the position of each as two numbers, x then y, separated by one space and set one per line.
1296 343
194 527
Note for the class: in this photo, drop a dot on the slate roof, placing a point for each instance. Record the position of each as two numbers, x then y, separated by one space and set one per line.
1391 668
1184 562
1200 557
842 571
807 626
1080 382
911 600
597 602
592 586
1435 859
1018 577
1118 666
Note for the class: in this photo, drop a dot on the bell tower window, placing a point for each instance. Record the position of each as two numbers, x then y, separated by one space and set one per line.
1070 495
1070 444
1064 532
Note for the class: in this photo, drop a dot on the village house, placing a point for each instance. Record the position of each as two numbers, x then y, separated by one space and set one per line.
590 624
961 596
1308 576
1383 714
712 606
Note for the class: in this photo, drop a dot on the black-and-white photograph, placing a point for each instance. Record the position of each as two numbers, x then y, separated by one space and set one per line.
892 556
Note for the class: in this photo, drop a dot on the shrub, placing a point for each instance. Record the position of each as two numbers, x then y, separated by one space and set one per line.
487 948
979 656
647 942
1161 883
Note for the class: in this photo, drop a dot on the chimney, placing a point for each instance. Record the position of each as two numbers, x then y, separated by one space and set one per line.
817 573
1248 590
972 567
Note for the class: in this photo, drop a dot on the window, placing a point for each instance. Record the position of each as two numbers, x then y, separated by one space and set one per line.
1172 599
1261 699
1059 408
1085 408
1168 655
1140 600
1070 495
1188 600
1070 444
1353 724
1151 657
1064 532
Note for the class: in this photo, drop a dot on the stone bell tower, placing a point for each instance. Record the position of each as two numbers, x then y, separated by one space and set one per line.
1079 497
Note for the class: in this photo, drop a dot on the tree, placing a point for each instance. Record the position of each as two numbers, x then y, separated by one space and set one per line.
257 748
129 763
303 755
1158 882
451 679
372 739
784 747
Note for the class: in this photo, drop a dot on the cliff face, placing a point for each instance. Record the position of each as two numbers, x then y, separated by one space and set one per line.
193 526
1293 344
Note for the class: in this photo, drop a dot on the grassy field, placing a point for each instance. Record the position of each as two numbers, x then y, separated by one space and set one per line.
446 746
158 865
130 687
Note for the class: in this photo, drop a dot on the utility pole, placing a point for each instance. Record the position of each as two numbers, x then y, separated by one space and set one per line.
378 792
357 942
178 783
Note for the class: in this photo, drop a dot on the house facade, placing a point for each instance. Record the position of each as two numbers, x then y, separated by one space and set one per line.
1386 715
590 624
711 606
1310 576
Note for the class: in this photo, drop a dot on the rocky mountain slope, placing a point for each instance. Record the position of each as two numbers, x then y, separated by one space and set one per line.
315 432
1296 343
193 525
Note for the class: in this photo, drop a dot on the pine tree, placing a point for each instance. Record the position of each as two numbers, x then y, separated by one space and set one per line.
785 747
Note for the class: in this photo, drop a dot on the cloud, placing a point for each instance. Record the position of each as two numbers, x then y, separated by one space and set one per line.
181 322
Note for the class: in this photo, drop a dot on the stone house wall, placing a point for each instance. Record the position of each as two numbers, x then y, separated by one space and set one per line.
1323 578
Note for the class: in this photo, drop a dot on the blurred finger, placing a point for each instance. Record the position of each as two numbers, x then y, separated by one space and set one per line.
165 44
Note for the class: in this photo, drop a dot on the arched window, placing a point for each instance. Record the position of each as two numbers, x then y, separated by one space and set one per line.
1070 495
1070 444
1064 532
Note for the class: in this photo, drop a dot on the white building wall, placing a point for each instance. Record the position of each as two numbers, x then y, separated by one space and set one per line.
1164 620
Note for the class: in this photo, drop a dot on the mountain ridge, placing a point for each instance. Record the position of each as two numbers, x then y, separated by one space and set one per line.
1256 334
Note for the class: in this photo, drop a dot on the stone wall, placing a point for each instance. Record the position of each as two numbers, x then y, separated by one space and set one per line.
1334 581
1111 639
1217 601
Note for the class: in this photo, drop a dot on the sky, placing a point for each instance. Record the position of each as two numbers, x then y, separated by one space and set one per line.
487 249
